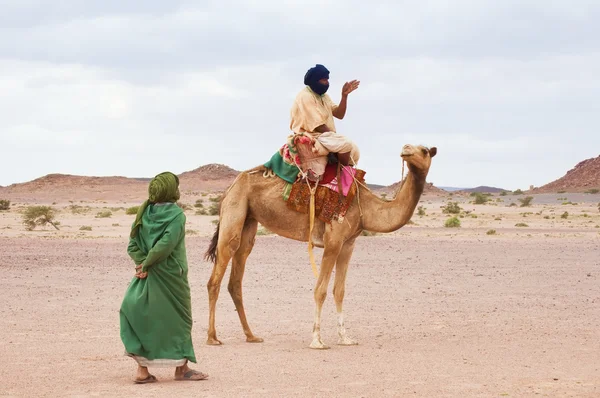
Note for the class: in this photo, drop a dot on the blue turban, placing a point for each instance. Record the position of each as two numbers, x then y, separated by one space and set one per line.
312 77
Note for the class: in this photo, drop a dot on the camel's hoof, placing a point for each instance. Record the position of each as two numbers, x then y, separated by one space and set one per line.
254 339
213 341
347 341
318 345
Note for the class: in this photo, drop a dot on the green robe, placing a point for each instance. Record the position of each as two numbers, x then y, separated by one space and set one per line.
156 313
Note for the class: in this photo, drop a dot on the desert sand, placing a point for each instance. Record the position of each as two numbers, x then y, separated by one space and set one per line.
438 312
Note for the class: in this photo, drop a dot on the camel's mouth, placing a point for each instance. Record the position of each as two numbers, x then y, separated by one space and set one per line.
406 154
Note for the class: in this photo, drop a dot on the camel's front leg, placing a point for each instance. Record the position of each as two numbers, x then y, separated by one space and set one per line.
339 287
329 258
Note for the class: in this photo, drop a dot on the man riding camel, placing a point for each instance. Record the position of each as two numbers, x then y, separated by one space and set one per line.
312 114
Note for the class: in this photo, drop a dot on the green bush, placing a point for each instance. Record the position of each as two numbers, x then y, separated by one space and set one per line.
132 210
451 208
491 232
199 204
503 193
421 210
4 204
526 201
77 209
39 215
85 228
104 214
521 224
263 231
518 192
184 206
565 215
452 222
593 190
213 210
368 233
480 199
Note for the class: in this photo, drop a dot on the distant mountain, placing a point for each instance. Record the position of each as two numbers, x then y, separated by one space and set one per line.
583 177
484 189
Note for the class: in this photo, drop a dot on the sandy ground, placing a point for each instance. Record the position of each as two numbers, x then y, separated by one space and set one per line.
438 312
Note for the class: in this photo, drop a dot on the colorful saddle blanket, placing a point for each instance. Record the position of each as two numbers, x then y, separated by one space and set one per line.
330 205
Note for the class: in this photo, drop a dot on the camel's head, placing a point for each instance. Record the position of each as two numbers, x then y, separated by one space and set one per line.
418 157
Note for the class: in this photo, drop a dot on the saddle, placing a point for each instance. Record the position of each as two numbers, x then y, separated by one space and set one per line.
335 191
299 162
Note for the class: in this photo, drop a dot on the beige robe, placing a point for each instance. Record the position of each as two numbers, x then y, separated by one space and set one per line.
310 111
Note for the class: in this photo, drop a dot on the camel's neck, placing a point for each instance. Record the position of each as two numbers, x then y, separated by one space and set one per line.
387 216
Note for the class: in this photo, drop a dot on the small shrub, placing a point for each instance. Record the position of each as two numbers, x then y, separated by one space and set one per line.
513 204
593 190
518 192
201 212
546 217
4 204
498 219
480 199
184 206
384 196
214 222
451 208
85 228
473 215
368 233
104 214
39 215
452 222
77 209
565 215
215 199
521 225
503 193
561 192
421 211
132 210
526 201
191 232
491 232
263 231
199 204
116 225
213 210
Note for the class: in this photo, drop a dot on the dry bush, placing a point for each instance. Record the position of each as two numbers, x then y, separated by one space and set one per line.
39 215
4 204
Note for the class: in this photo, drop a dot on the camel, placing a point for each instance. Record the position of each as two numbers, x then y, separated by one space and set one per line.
252 199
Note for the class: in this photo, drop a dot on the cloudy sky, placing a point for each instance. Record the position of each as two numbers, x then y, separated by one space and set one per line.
509 91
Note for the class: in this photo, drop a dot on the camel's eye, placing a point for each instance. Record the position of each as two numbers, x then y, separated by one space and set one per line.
424 151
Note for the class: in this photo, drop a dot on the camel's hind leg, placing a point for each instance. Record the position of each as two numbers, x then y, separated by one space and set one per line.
238 266
229 241
339 288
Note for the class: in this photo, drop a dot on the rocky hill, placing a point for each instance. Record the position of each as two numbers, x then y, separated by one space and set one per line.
585 176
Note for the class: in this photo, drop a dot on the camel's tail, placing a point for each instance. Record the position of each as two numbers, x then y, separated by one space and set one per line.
211 252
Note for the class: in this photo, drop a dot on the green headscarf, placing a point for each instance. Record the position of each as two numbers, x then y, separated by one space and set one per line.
163 188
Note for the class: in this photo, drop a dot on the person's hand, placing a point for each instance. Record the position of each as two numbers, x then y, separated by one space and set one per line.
350 87
142 275
139 274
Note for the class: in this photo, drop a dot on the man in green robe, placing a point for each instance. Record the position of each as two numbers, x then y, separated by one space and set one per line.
156 313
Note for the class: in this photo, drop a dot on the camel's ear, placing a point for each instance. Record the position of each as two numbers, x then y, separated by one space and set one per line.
432 151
